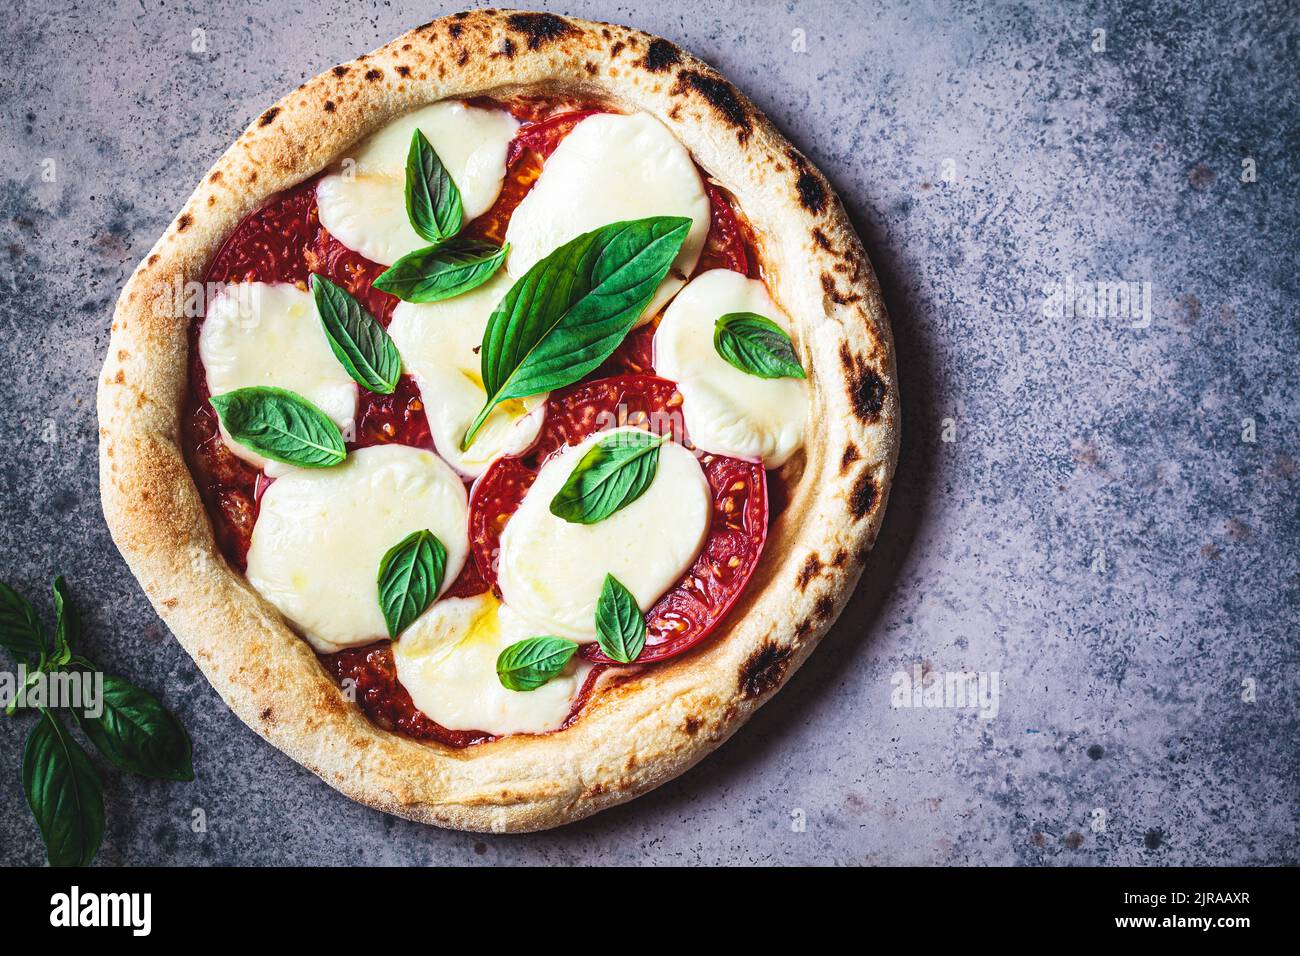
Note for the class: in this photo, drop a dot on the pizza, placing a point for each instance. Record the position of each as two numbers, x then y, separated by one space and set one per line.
503 419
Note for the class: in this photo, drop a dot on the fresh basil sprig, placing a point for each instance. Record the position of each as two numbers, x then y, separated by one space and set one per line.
440 272
410 576
68 628
570 311
756 345
528 664
356 338
64 793
432 199
138 734
620 625
280 425
614 472
134 731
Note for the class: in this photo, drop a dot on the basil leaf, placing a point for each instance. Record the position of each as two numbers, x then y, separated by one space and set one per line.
410 576
756 345
280 425
620 625
137 733
356 338
69 624
432 199
442 271
21 631
64 793
570 311
614 472
528 664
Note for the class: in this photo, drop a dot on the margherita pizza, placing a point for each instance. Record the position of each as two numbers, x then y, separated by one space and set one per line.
504 418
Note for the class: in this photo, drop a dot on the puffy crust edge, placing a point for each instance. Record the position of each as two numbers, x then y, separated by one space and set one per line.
650 725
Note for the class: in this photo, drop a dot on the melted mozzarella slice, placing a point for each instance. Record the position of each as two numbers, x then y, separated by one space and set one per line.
608 169
320 536
727 411
364 205
257 333
447 662
439 342
551 571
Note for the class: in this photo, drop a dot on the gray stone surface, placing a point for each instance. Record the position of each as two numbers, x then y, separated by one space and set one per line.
1098 532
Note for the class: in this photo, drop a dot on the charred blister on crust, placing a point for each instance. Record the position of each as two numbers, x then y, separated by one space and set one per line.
540 28
340 71
865 387
374 75
267 118
812 194
822 241
184 222
691 725
719 94
763 670
834 294
812 567
851 454
661 55
863 497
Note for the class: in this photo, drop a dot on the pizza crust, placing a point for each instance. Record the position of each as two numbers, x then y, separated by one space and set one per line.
654 723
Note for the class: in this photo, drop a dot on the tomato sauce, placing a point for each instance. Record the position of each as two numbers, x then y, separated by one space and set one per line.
283 241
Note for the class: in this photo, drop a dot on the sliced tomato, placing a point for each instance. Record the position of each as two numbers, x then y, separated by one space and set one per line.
726 245
268 245
353 271
543 137
525 158
635 355
692 608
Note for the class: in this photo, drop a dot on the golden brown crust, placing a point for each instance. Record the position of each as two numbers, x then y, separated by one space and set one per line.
650 727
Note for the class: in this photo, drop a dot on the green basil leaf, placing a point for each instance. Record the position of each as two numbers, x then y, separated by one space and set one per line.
68 630
442 271
620 625
21 631
528 664
64 793
356 338
410 576
137 733
432 199
570 311
614 472
756 345
280 425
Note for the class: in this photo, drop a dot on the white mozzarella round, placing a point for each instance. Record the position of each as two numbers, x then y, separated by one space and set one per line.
608 169
447 662
258 333
364 204
551 571
321 533
727 411
439 343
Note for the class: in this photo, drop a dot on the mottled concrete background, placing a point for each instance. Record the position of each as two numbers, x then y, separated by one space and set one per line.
1111 524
